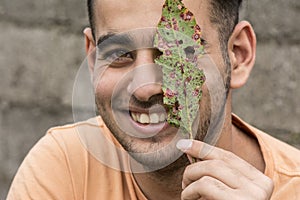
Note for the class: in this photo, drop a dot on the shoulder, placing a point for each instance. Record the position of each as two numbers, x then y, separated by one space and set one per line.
282 156
286 158
94 158
71 130
55 167
282 162
282 165
68 134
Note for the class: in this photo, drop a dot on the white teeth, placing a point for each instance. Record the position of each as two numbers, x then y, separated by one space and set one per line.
144 119
162 117
154 118
134 116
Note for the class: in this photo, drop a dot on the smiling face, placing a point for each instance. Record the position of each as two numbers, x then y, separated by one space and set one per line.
128 83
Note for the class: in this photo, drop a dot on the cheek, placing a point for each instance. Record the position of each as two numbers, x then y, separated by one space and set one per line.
105 83
218 60
218 69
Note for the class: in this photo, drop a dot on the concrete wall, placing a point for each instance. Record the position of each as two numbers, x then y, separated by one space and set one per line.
270 99
42 49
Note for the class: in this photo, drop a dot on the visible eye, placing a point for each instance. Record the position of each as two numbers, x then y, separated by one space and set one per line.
119 57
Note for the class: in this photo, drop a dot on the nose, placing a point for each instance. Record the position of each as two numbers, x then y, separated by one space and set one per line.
147 76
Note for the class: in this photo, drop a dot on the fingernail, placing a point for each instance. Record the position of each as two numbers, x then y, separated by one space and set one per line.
184 144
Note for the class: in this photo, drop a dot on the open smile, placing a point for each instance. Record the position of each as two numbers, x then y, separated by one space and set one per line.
143 123
145 118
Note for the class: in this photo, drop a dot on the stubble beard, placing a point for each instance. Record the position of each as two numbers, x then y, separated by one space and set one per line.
153 153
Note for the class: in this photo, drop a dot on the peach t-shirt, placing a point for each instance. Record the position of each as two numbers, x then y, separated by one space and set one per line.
74 162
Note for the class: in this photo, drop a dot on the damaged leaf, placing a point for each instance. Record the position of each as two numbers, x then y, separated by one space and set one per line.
178 37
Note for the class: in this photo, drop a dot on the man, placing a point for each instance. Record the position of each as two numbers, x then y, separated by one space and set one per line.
129 152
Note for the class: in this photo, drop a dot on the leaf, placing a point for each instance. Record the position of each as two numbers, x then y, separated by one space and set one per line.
178 38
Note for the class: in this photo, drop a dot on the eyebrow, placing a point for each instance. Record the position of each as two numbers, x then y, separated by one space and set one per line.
114 38
126 39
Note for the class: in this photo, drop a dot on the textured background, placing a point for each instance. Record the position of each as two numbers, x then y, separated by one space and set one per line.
42 48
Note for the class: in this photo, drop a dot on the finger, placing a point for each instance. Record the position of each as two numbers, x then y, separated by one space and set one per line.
198 149
205 151
217 169
207 188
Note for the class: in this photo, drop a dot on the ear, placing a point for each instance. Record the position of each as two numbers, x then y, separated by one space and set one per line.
242 50
90 48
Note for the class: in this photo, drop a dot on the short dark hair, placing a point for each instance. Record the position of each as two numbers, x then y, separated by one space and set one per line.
91 15
224 13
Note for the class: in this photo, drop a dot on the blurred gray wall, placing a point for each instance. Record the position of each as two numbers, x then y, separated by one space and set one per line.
42 48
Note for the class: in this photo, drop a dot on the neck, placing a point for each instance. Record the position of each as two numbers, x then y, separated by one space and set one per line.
164 183
243 145
240 142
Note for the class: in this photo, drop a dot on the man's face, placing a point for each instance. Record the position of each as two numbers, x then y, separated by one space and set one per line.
128 83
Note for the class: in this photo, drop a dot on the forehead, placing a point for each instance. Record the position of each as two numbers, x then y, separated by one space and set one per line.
124 15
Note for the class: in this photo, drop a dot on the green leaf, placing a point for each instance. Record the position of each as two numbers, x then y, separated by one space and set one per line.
178 37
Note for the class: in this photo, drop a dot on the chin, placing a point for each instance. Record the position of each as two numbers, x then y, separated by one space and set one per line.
155 156
154 152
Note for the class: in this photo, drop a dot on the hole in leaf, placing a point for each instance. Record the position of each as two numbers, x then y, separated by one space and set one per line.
189 52
157 53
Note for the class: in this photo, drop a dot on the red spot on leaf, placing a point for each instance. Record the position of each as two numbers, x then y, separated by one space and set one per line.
196 36
195 93
169 93
172 75
180 107
176 28
168 52
197 28
188 16
181 16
